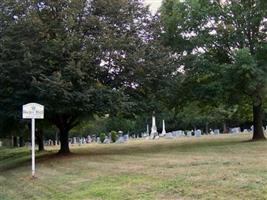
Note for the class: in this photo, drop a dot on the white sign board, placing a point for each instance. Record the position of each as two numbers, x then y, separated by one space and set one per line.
33 111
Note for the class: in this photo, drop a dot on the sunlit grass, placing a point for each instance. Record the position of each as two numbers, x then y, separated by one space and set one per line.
210 167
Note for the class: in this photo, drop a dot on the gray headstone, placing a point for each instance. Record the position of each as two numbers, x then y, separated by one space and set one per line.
126 137
189 133
197 133
169 135
106 141
120 140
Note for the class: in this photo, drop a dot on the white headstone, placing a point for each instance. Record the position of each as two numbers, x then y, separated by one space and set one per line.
120 140
169 135
154 131
197 133
107 140
189 133
163 129
126 137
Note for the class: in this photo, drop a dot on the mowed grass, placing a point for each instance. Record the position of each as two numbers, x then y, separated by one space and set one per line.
210 167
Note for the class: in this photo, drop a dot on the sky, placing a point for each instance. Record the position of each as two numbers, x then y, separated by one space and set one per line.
154 4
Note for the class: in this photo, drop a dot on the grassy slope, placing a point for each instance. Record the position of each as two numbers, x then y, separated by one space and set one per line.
221 167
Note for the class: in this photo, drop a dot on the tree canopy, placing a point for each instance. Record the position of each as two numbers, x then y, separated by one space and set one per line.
221 44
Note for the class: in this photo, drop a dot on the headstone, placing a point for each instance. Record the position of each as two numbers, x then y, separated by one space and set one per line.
1 143
107 140
126 137
120 140
174 133
98 140
183 133
252 128
94 138
189 133
89 139
197 133
179 133
169 135
147 130
235 130
163 133
154 131
216 131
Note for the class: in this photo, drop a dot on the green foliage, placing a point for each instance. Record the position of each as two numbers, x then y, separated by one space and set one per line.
220 45
120 124
78 58
102 137
114 136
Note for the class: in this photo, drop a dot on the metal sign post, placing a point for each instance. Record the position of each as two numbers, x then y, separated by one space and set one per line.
33 111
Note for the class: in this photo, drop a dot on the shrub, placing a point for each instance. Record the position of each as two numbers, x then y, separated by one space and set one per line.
102 137
114 136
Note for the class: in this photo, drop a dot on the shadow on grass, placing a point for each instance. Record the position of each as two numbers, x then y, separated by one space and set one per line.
157 148
12 161
23 159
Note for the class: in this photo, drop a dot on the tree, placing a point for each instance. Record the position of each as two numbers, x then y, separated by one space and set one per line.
51 45
77 58
231 37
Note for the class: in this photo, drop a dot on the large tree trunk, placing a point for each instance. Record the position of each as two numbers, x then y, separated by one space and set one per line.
207 128
64 123
225 128
64 141
258 133
40 140
15 141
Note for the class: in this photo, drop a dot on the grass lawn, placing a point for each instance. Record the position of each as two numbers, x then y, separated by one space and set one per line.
210 167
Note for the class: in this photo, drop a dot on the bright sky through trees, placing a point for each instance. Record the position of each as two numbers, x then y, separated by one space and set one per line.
154 4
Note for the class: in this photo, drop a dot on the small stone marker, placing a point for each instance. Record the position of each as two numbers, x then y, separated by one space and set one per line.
120 140
189 133
169 135
107 140
126 137
197 133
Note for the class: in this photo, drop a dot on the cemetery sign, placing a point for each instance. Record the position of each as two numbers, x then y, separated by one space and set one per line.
33 111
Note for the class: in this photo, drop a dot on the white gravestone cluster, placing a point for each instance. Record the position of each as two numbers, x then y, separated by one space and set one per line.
235 130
